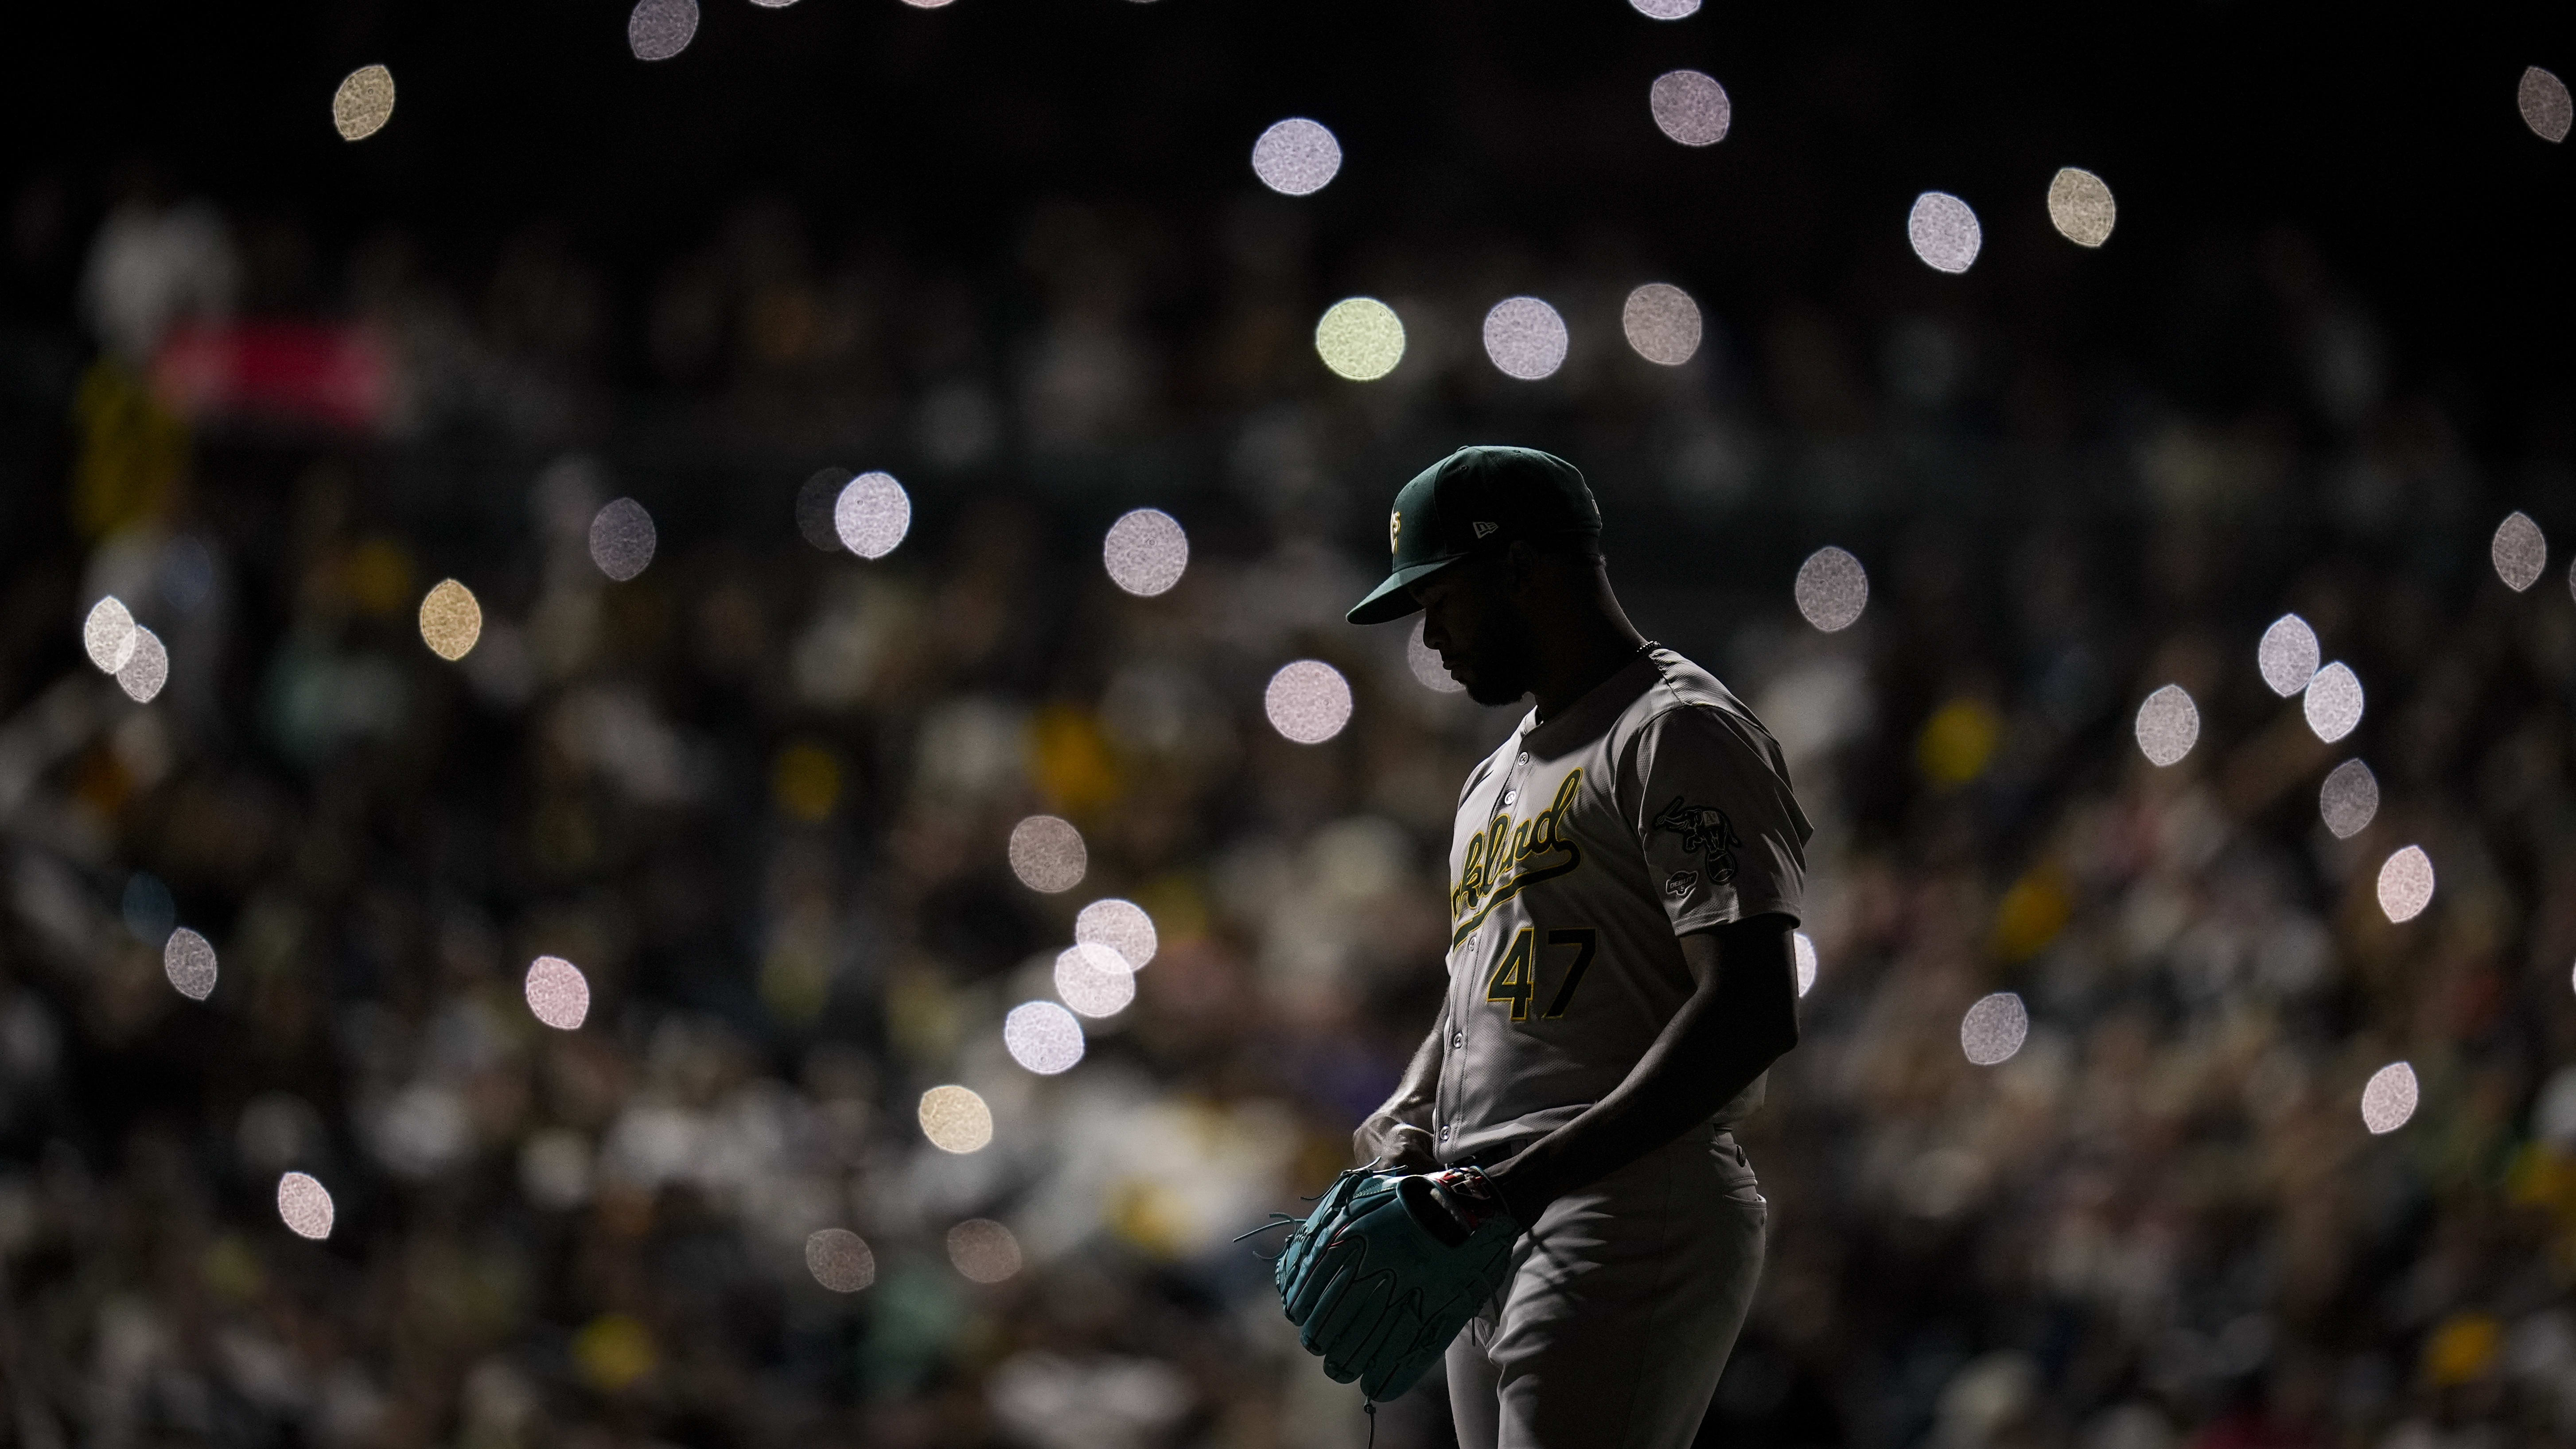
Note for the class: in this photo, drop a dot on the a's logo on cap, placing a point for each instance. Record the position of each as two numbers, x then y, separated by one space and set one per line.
1394 529
1483 528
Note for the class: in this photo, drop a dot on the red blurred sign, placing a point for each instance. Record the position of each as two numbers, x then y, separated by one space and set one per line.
332 374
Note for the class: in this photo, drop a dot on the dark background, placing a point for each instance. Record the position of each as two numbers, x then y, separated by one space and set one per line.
2322 355
2375 135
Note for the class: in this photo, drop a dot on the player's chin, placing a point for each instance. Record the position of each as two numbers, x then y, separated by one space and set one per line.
1485 691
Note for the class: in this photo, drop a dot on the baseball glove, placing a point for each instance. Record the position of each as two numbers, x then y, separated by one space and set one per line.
1389 1267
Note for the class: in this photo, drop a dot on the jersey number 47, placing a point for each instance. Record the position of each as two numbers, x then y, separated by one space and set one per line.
1515 979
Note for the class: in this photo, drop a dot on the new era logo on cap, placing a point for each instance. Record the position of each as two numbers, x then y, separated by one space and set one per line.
1483 528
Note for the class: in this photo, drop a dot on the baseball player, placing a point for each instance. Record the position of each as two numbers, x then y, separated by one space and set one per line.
1624 875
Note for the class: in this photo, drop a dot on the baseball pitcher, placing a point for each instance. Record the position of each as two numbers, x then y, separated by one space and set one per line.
1553 1198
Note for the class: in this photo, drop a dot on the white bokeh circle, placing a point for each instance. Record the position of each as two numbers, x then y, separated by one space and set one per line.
1308 701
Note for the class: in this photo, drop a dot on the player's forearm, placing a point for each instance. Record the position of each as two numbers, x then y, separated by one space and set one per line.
1420 1086
1740 1019
1400 1130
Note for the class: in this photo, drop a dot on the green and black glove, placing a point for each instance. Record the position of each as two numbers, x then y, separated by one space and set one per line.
1389 1267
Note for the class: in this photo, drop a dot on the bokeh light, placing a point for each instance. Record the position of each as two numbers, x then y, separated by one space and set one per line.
2333 706
1146 552
1524 338
1307 701
1690 107
1123 927
1296 157
955 1119
1662 324
983 1250
661 29
2168 726
146 670
840 1260
2388 1098
1944 232
872 515
2405 884
1831 590
305 1206
1424 662
1043 1037
1665 9
1047 854
1994 1029
2546 108
2348 799
622 538
2288 655
363 103
1802 953
1094 980
2519 551
450 620
2080 207
1360 338
188 959
1958 741
557 992
107 634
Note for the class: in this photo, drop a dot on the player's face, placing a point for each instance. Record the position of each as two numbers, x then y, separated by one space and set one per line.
1471 619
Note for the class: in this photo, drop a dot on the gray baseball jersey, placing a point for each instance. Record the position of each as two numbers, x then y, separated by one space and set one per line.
1653 807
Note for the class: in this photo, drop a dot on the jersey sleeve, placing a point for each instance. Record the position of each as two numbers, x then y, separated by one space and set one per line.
1723 837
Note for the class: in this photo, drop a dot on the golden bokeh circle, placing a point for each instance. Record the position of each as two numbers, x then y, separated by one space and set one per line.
363 103
451 621
1360 338
955 1119
2080 207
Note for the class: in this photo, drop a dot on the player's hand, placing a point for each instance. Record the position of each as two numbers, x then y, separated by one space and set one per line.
1394 1144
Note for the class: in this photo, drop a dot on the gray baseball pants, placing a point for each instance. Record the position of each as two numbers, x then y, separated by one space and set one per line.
1620 1310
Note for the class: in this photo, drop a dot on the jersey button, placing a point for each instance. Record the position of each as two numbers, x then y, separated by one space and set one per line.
1458 1041
1524 757
1510 795
1444 1132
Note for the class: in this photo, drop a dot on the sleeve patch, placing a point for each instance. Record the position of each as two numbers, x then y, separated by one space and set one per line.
1705 832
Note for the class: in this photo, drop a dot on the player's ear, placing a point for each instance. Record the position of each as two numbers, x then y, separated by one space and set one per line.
1520 566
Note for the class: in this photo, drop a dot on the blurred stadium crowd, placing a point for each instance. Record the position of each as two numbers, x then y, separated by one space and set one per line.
760 794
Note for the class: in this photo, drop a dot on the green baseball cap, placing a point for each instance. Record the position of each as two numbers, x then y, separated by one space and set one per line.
1476 501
